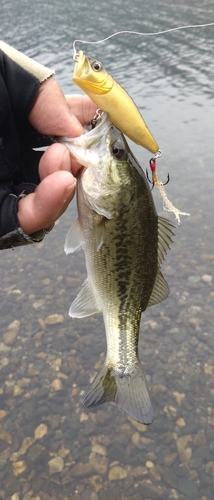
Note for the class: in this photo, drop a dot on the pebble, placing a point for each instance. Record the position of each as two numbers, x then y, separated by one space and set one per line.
4 348
117 473
57 385
56 364
36 454
10 337
182 443
15 325
40 431
209 369
3 414
15 496
207 278
19 467
150 491
193 279
179 396
169 459
139 472
82 470
188 488
170 411
53 319
149 464
99 464
27 442
56 465
180 422
154 474
5 436
99 448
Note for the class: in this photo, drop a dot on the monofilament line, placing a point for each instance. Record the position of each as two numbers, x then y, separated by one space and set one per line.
140 34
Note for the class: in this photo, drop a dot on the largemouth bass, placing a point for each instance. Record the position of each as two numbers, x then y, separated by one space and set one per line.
109 96
124 243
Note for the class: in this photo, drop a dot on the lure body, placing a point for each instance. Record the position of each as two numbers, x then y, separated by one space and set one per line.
109 96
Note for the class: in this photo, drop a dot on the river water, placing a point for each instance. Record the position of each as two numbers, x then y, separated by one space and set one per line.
50 448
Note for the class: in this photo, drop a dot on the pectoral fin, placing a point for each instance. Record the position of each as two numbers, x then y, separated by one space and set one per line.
100 234
85 303
73 239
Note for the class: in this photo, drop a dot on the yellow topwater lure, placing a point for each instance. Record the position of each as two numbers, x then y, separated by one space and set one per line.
93 79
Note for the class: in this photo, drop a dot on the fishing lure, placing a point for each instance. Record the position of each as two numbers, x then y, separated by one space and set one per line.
108 95
167 204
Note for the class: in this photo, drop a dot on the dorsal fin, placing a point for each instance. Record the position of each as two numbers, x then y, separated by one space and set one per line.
165 235
160 289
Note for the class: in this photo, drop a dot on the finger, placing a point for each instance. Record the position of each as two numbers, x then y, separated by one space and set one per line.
82 107
51 114
41 209
55 158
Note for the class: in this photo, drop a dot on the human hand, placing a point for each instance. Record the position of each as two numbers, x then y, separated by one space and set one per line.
55 115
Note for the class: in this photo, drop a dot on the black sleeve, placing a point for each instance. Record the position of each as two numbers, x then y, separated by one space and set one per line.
18 161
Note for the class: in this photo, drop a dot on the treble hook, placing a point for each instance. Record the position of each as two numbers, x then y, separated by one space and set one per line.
155 179
148 179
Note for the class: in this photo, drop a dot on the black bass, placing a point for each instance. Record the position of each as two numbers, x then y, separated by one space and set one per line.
124 243
108 95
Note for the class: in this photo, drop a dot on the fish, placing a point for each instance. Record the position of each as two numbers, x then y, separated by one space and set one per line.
90 75
124 242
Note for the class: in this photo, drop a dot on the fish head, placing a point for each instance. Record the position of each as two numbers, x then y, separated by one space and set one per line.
91 76
106 183
103 150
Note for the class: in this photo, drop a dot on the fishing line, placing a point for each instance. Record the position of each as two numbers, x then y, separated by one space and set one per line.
138 33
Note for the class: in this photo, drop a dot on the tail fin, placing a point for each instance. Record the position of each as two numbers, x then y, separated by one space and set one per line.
126 387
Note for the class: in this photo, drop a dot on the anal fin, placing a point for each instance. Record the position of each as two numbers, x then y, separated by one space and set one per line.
160 290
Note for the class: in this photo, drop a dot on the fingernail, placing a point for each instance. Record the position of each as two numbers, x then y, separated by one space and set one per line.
77 128
70 190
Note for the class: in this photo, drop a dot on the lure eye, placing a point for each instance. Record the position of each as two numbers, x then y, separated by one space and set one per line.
118 151
97 66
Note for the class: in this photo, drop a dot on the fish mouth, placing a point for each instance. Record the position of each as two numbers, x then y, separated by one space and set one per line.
94 136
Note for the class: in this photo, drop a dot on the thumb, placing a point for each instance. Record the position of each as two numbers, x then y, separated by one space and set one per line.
42 208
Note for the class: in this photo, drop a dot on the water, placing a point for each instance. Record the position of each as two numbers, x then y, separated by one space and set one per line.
45 372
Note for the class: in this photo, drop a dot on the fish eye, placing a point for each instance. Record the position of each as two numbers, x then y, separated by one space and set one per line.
97 66
118 150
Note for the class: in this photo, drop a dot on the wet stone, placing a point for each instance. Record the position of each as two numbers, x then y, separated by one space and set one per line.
150 491
110 493
56 465
116 473
10 337
169 477
19 467
136 496
81 470
116 452
36 454
203 453
40 431
188 488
